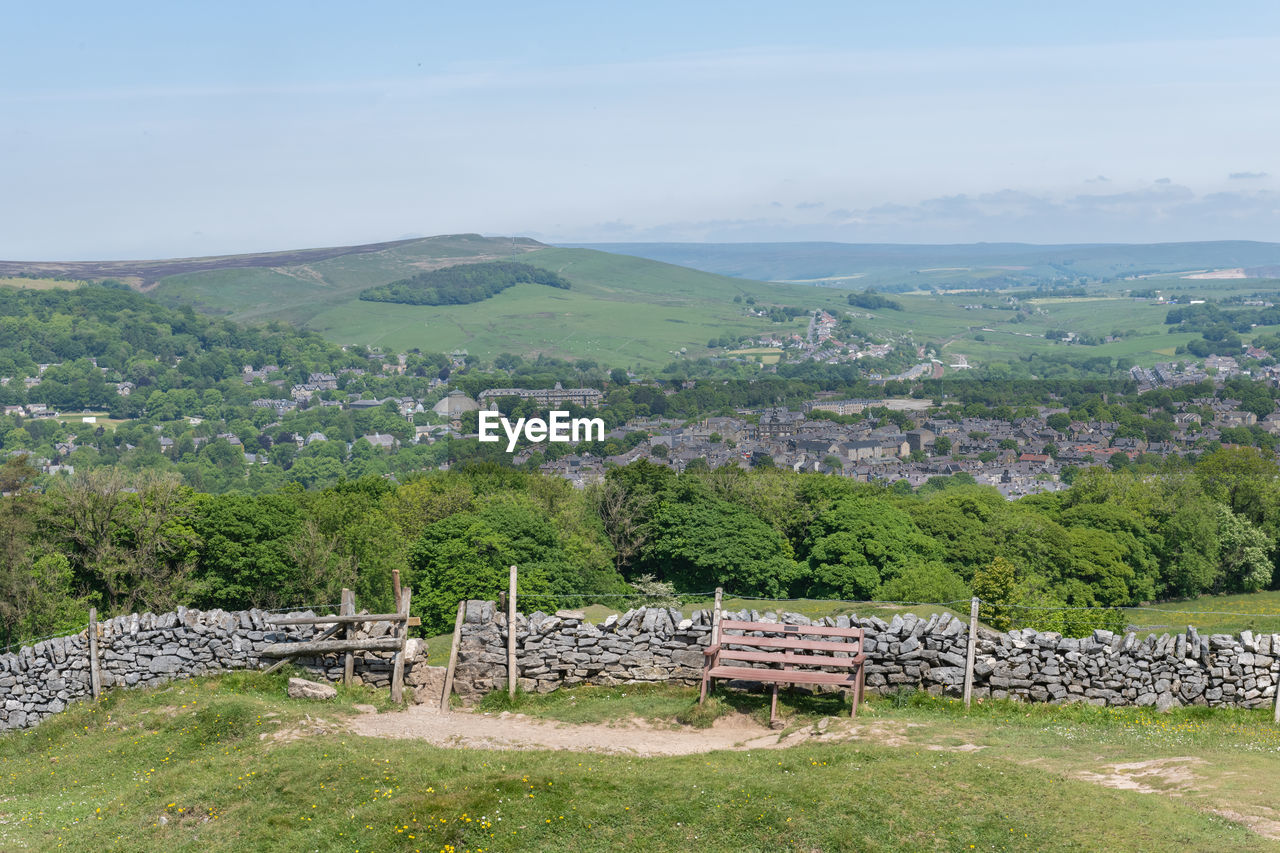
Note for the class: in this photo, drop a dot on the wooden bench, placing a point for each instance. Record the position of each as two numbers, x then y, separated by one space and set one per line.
796 654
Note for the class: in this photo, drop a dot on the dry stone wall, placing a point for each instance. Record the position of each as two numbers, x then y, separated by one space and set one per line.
661 644
141 650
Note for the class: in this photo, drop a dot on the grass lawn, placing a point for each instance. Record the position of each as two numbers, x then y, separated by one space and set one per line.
231 764
1212 614
101 419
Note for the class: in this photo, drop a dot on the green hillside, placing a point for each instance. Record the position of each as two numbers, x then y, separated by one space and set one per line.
625 310
620 310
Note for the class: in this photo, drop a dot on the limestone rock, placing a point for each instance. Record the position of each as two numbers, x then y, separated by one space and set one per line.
301 688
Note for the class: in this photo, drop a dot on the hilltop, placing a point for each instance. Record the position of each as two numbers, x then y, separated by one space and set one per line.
143 274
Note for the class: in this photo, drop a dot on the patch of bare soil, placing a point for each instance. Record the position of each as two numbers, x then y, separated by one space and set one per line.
1264 826
1169 776
463 729
308 728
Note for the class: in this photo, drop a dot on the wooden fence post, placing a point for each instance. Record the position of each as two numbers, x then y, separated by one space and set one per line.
395 589
397 668
95 675
348 608
511 636
1275 650
453 656
972 651
715 616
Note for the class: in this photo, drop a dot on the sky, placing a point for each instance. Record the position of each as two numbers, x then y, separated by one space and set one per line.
141 130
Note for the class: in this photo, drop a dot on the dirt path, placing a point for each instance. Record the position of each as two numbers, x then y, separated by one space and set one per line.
461 729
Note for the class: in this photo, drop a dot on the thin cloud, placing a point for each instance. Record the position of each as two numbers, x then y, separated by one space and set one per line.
1247 176
1164 213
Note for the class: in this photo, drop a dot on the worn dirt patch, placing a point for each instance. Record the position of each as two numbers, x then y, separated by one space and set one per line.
462 729
1266 827
308 728
1169 776
963 747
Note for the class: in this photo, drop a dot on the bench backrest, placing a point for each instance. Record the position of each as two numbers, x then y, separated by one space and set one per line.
809 638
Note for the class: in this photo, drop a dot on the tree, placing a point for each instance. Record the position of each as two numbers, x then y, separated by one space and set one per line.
1243 550
699 542
929 582
129 539
860 543
941 446
625 518
1059 421
36 598
996 585
467 555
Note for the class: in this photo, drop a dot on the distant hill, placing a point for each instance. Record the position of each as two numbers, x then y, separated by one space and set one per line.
618 310
889 266
624 310
143 274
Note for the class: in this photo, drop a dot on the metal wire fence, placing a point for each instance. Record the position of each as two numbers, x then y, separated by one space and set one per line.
996 614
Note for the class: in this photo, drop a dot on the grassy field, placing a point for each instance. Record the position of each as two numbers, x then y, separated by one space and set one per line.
40 283
1212 614
231 764
101 419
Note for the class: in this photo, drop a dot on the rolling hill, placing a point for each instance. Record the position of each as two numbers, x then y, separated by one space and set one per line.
619 310
625 310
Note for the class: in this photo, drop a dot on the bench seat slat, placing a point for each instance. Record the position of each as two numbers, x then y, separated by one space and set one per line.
783 657
783 676
780 628
790 643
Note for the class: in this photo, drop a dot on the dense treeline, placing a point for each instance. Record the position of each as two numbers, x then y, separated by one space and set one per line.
126 542
462 284
873 301
1208 317
95 335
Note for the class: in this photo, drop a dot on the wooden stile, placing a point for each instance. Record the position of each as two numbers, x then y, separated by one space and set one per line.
453 656
715 640
402 635
328 647
413 621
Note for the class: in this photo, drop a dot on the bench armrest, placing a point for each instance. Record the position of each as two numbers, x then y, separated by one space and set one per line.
711 650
